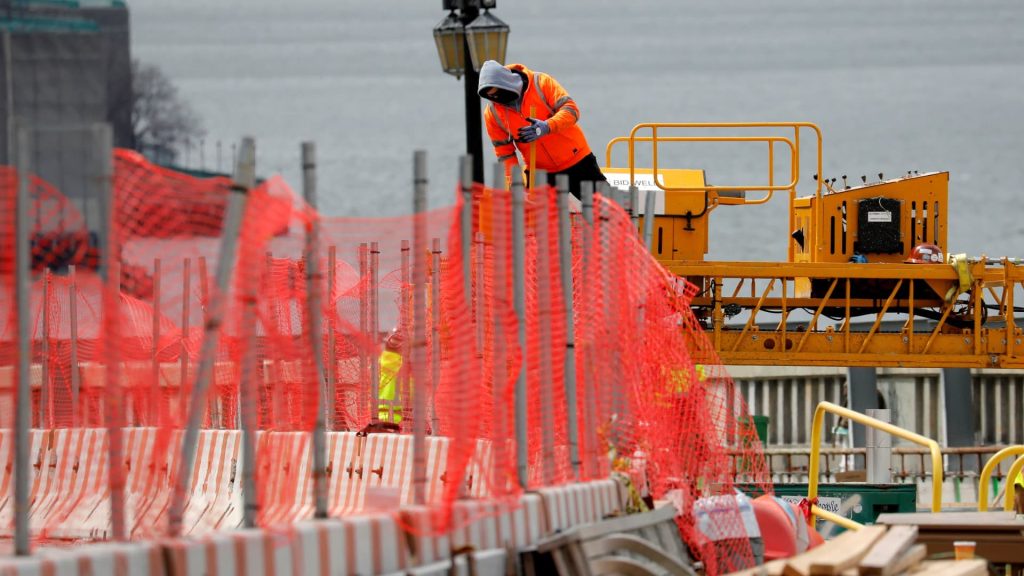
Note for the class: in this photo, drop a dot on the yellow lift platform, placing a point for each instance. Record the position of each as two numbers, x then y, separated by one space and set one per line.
846 296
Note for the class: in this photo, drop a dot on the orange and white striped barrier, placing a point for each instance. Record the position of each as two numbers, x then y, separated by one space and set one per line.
115 559
488 524
356 545
283 465
217 478
574 504
74 485
36 457
342 483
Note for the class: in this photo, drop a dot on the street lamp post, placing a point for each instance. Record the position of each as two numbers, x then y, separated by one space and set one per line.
465 39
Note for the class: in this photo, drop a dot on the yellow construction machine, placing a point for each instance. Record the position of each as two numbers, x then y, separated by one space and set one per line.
868 281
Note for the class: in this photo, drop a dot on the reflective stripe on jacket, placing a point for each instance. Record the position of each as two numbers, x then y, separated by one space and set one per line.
555 152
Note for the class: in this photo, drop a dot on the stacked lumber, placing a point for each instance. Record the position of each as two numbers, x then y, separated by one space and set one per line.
870 551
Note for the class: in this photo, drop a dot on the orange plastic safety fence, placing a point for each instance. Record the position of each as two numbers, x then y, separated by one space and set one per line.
653 402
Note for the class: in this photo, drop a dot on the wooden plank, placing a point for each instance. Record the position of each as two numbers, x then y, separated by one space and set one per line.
975 567
910 559
956 521
887 551
836 555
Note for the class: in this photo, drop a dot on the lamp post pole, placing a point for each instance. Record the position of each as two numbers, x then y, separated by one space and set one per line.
474 124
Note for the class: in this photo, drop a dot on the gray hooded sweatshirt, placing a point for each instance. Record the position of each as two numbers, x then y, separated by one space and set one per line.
494 75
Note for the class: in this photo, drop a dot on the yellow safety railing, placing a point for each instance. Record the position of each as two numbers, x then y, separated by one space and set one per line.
794 176
990 466
816 427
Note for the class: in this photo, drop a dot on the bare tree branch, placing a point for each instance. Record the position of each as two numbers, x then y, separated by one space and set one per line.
161 120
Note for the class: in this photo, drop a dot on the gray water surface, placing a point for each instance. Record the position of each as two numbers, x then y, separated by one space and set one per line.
895 85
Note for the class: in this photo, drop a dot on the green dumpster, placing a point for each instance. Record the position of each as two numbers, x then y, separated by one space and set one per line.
760 425
863 502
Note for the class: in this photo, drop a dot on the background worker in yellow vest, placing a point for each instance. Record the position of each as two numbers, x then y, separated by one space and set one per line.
390 409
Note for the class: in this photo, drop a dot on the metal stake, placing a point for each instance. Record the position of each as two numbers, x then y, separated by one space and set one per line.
419 351
565 264
225 266
590 375
44 386
76 377
500 243
154 392
519 292
374 329
110 272
186 313
251 372
544 317
22 310
332 328
364 321
313 281
435 332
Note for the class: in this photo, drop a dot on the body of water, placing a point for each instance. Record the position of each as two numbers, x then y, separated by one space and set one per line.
895 85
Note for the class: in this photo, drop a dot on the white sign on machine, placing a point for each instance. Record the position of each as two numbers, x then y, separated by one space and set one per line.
644 183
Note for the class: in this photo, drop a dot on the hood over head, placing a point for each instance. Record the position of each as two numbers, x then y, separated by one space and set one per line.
494 75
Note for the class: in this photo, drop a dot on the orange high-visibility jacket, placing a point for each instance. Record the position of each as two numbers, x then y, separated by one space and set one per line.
559 150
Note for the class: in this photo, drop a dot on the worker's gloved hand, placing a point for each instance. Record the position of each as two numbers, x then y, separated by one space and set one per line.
536 129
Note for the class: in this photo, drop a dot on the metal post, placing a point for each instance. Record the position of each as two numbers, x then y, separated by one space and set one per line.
466 225
154 392
649 220
435 331
251 372
474 122
565 265
314 280
499 241
419 348
332 362
204 305
364 320
110 272
374 327
186 318
44 353
544 323
208 355
405 314
76 376
480 248
590 393
22 310
519 292
879 450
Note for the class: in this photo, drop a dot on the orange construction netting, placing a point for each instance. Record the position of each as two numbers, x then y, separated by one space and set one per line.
653 402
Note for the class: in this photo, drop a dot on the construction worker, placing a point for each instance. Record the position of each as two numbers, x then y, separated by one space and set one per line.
390 367
560 147
1018 494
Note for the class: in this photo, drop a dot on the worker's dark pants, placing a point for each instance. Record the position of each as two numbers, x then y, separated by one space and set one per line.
586 170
